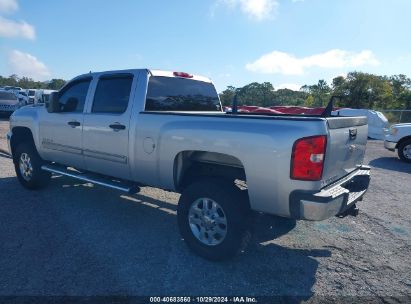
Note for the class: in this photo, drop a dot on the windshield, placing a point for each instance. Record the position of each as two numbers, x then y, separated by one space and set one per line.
31 92
181 94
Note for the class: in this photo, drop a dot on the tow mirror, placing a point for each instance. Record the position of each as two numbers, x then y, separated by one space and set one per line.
53 104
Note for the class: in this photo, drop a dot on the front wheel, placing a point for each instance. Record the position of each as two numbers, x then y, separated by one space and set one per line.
27 164
213 218
404 150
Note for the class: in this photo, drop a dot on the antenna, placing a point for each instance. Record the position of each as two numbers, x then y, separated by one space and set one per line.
234 109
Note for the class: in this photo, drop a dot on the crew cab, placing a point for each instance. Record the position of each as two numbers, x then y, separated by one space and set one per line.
132 128
399 137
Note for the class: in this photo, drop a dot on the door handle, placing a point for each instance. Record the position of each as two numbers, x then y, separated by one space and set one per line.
117 126
74 123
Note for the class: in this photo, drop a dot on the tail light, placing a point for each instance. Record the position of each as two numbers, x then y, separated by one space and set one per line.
182 74
307 159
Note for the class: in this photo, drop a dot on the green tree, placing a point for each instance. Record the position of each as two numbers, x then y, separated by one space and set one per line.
28 83
320 93
309 101
56 84
227 96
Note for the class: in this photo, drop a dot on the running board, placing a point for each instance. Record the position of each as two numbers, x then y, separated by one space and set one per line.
92 178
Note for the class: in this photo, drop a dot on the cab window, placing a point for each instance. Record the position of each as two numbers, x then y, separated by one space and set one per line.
112 94
73 96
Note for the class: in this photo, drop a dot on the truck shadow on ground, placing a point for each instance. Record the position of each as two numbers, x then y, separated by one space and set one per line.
76 239
391 163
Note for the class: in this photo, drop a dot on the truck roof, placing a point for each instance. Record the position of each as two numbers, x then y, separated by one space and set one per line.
153 72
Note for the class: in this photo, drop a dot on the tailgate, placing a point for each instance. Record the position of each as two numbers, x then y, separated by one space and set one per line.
346 143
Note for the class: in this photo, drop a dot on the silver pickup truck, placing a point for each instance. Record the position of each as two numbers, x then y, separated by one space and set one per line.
125 129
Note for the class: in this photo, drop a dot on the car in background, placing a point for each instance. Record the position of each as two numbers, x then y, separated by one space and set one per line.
9 102
378 124
399 137
46 96
23 97
31 93
20 93
11 88
35 95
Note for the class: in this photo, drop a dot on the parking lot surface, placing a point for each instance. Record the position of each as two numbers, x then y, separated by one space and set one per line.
77 239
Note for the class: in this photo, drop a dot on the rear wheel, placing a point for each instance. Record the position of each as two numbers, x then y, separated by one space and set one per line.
404 150
27 164
213 218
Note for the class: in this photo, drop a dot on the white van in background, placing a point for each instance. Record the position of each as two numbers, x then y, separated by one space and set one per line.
46 95
377 123
35 95
31 93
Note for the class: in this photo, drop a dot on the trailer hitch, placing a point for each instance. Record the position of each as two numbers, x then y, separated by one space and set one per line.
353 211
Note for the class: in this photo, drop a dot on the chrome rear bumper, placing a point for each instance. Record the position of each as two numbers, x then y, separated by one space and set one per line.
331 200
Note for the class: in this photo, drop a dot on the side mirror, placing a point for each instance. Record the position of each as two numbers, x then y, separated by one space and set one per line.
53 105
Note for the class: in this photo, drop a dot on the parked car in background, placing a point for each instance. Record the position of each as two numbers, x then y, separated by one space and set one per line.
9 102
23 97
11 88
31 93
35 95
399 137
46 95
378 124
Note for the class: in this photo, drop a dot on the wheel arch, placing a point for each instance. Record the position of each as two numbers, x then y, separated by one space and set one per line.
403 140
190 165
21 134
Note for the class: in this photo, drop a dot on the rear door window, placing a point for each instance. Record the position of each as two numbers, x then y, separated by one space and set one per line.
180 94
112 94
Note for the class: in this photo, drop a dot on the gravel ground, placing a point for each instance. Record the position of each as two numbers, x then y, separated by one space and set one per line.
75 239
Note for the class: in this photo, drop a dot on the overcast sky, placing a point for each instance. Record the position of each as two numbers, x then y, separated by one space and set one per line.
287 42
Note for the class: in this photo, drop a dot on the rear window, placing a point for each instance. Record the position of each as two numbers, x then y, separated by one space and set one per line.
7 96
180 94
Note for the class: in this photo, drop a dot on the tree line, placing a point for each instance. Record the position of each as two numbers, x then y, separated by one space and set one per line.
28 83
357 90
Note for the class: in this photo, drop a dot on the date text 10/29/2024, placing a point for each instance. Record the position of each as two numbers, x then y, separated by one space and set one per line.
203 300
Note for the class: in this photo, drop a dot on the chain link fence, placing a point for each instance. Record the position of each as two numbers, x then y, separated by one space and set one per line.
397 116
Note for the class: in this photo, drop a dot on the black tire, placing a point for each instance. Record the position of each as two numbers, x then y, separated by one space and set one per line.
401 148
235 206
39 178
